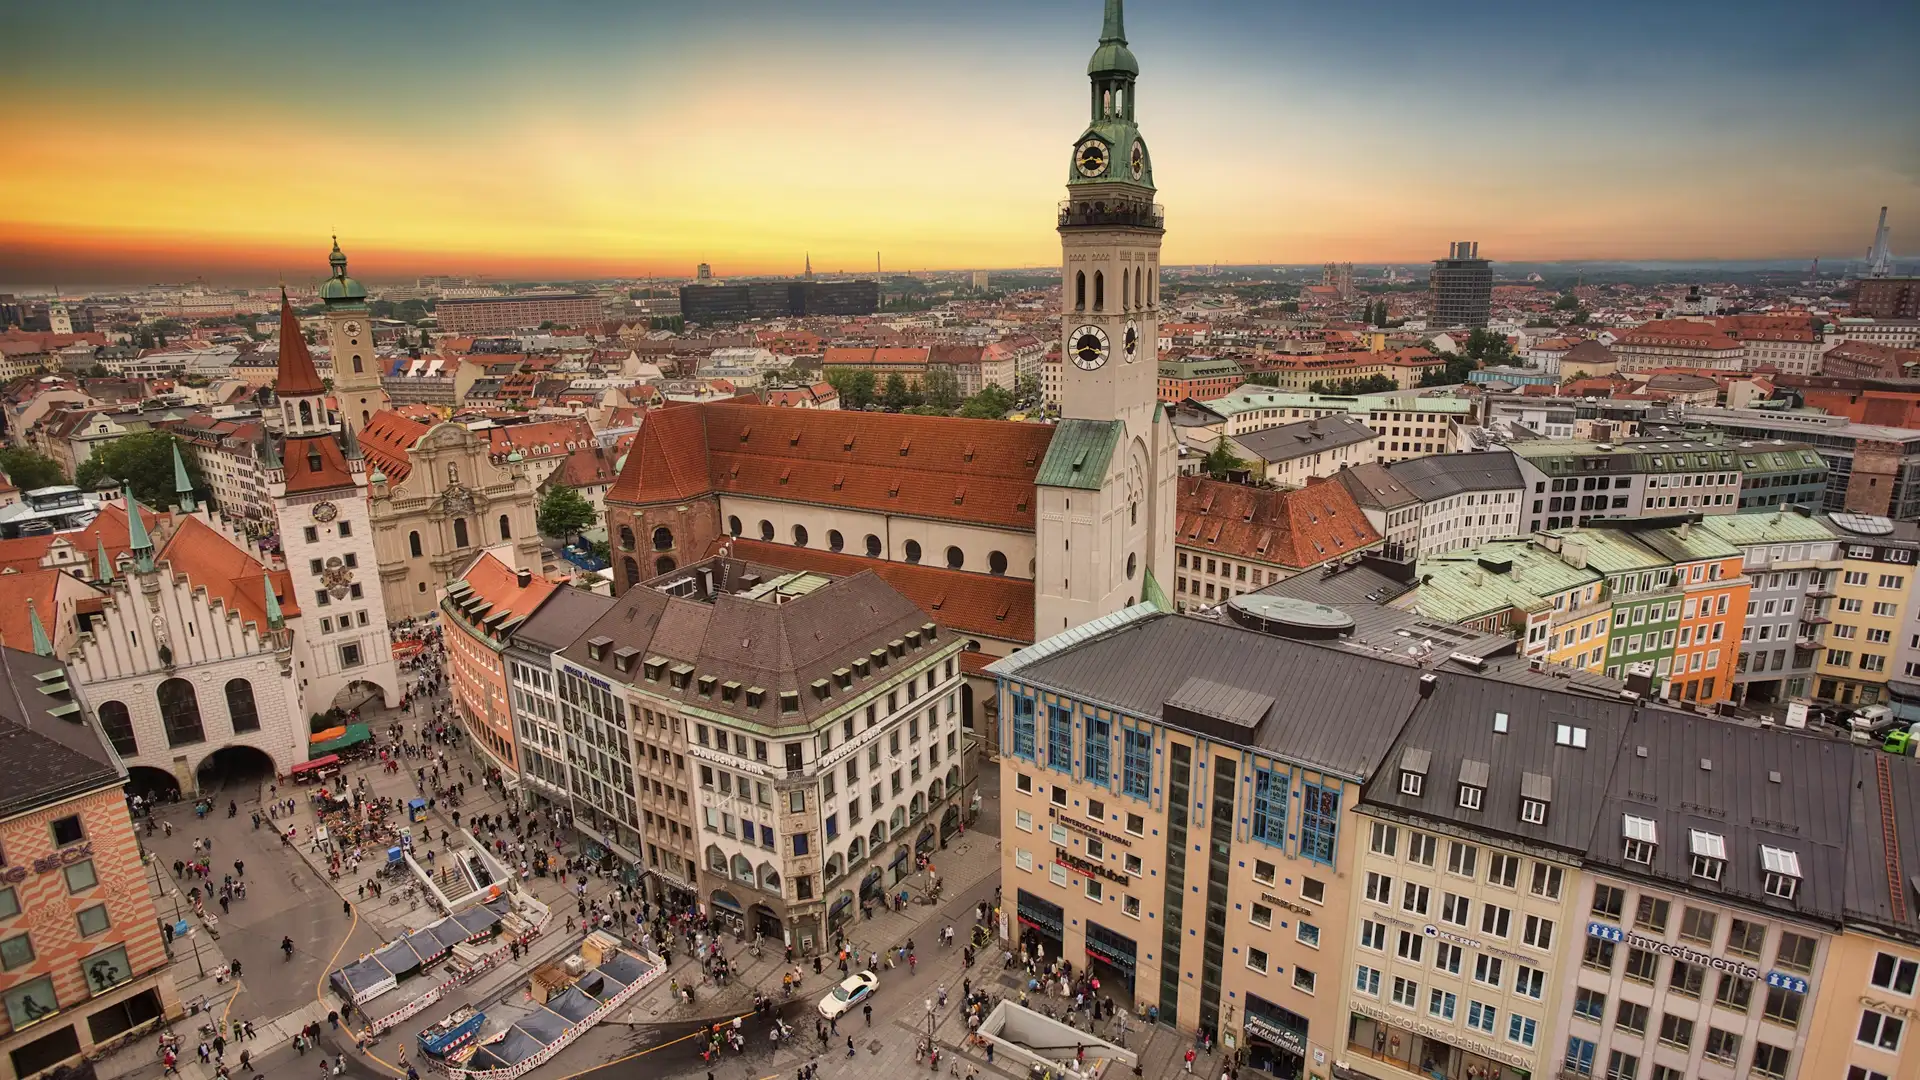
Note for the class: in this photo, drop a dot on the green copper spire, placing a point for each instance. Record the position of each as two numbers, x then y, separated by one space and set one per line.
106 564
1110 150
275 620
1113 54
41 645
181 484
137 539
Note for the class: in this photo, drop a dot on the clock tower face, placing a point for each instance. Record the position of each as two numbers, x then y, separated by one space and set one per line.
1091 158
1089 346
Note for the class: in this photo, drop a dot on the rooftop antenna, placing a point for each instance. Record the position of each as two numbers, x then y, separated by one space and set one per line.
1880 257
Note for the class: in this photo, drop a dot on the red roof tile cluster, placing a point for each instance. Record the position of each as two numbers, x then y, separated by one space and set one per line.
109 526
1679 334
297 373
213 562
543 439
1767 327
978 471
899 356
315 463
497 586
1296 529
42 587
588 466
387 440
995 607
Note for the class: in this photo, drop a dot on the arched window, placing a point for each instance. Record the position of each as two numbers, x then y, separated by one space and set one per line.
955 557
913 551
917 805
743 870
459 532
716 858
1080 290
662 538
663 565
240 706
118 724
1133 561
833 868
626 538
1140 288
506 532
356 364
877 835
632 570
180 712
1124 272
766 530
1099 291
856 850
413 543
770 878
733 525
835 542
799 536
934 791
899 819
996 562
306 412
365 418
873 546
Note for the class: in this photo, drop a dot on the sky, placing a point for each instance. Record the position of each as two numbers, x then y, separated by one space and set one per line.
170 141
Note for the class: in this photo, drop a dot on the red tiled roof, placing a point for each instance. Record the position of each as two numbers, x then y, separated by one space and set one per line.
110 526
979 471
386 441
1678 334
549 438
995 607
297 374
16 588
230 575
1297 529
315 463
587 467
498 584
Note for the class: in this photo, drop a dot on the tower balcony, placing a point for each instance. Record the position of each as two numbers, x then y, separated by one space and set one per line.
1139 215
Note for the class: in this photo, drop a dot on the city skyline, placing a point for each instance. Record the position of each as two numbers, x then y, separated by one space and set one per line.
605 142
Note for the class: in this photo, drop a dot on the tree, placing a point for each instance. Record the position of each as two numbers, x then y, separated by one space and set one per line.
1566 302
564 513
942 387
991 403
29 470
146 459
1026 390
1265 378
1221 462
854 386
896 396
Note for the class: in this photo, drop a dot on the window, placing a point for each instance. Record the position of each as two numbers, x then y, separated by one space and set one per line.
1379 888
93 920
1590 1004
1622 1066
1546 881
1503 870
1406 992
1880 1030
1722 1045
1598 954
1579 1059
1481 1016
1257 960
1538 933
1470 796
240 706
1894 973
1136 763
1420 848
1098 769
81 877
1521 1029
1263 872
1270 807
1630 1018
459 532
1023 859
1304 980
1795 953
1462 859
1130 905
1642 966
1770 1061
180 712
1059 738
1411 945
1533 811
1261 915
1686 979
118 724
1608 901
1383 839
1410 783
1734 992
1313 890
1642 836
1676 1031
1698 925
1373 935
1487 969
1783 1006
1529 981
16 951
1319 823
1453 909
1366 981
1780 871
1446 958
1414 898
1023 728
1442 1004
1495 920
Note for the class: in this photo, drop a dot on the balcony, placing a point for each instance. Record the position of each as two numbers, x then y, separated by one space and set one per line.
1139 215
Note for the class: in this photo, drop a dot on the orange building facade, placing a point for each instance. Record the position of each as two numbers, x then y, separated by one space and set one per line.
1713 607
482 610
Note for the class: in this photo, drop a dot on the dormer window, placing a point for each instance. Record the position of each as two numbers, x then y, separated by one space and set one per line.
1642 838
1414 762
1533 811
1709 854
1473 783
729 691
652 668
789 701
843 678
597 648
1781 871
1569 735
821 688
755 695
623 658
861 667
705 684
1536 792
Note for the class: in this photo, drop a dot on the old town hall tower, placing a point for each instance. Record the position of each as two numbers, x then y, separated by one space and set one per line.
1107 487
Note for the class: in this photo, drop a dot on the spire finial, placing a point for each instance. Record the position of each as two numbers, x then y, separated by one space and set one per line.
1114 29
106 564
41 644
275 620
181 485
137 539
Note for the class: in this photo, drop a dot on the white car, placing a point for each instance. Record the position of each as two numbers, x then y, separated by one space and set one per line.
850 992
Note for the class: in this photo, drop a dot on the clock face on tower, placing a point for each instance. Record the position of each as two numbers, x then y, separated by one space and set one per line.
1089 346
325 511
1130 341
352 328
1137 159
1091 158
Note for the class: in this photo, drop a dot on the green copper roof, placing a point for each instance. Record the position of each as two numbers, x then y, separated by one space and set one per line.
106 564
275 620
1458 586
41 644
340 290
137 539
182 485
1779 527
1155 595
1078 455
1113 54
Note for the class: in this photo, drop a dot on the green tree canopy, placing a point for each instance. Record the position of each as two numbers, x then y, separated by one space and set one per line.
993 402
1265 378
146 459
855 387
896 396
1221 462
29 470
564 513
1566 302
941 387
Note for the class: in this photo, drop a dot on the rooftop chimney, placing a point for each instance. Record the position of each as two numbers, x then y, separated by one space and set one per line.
526 578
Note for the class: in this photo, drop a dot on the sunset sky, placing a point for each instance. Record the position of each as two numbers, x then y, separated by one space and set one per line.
159 141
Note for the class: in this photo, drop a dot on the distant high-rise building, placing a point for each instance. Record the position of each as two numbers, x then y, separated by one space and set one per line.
1462 287
1887 297
710 304
703 272
980 280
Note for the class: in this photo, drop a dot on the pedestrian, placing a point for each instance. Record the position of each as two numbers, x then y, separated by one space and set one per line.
1189 1059
867 1011
849 1046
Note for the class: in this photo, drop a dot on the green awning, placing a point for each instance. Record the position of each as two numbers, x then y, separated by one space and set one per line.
355 735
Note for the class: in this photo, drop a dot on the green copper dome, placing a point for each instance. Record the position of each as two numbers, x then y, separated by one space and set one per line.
1113 56
340 288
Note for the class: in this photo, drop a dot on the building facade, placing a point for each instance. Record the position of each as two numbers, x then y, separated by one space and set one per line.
1461 287
498 314
482 610
540 739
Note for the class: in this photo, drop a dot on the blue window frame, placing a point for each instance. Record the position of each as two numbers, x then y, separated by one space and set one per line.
1579 1060
1137 763
1099 768
1270 807
1060 738
1023 734
1319 823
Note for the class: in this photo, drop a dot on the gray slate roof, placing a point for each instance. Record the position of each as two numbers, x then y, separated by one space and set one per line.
49 758
1878 894
1439 475
1289 441
566 615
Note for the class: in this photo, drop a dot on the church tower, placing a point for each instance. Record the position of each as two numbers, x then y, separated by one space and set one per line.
320 499
1106 490
356 370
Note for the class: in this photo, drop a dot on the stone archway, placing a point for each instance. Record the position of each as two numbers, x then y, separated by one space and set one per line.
150 782
235 770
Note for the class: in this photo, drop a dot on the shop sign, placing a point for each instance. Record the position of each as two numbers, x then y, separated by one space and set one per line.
1073 822
1433 931
1082 866
580 673
1609 932
13 875
1285 905
1783 981
1451 1038
1107 955
1285 1038
1905 1012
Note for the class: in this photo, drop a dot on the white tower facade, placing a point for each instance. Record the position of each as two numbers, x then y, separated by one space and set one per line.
1104 529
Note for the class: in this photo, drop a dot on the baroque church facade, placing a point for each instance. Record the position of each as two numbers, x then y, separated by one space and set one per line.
437 497
1009 532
